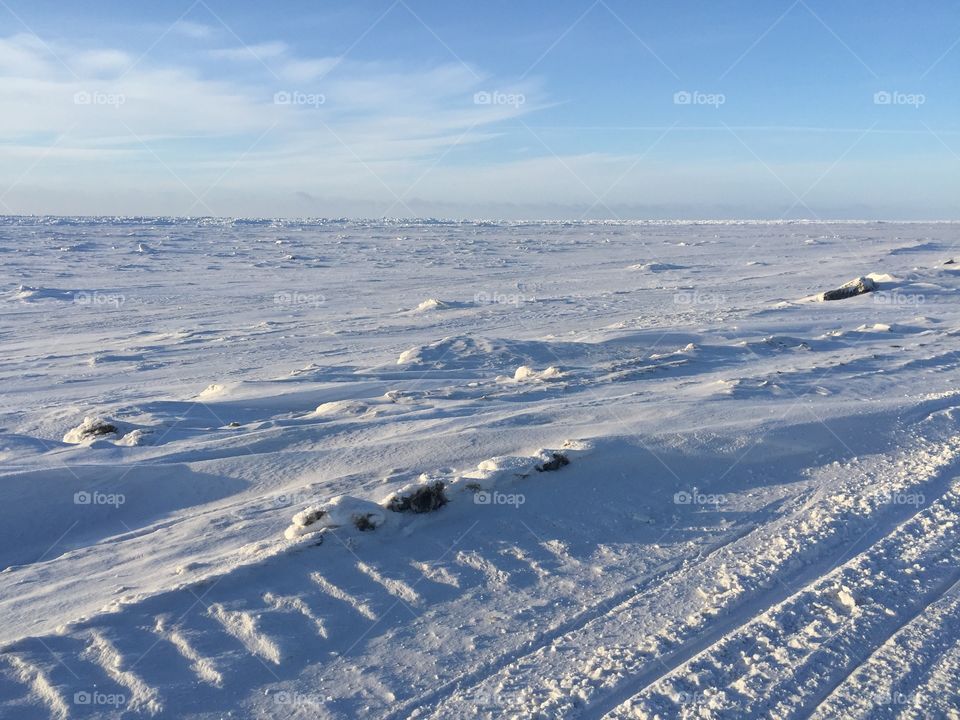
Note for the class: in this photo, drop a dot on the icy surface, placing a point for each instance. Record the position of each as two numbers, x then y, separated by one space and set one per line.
674 483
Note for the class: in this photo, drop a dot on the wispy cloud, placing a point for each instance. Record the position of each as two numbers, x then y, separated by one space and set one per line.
247 53
315 120
190 29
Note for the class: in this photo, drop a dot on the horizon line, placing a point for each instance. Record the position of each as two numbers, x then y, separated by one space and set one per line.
468 221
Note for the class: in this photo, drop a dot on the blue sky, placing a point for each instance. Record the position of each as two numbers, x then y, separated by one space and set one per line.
606 109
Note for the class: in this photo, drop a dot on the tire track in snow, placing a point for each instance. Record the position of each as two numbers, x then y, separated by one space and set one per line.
589 675
939 691
892 674
599 609
795 654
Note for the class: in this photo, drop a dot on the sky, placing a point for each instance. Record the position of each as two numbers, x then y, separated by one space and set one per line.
570 109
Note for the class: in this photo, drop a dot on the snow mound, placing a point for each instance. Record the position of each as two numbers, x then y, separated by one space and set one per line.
213 390
89 430
688 349
340 511
26 293
134 438
655 267
459 352
919 247
105 358
341 407
499 471
431 304
876 327
472 352
525 373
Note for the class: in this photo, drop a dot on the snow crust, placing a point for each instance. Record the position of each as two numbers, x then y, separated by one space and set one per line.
258 468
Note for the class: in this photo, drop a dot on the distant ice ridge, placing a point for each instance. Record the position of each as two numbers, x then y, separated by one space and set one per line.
85 220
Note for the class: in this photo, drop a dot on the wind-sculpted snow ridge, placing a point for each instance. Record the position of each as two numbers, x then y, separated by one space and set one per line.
615 644
265 468
430 493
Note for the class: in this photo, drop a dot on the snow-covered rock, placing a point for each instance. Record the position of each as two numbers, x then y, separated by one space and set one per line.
339 511
92 428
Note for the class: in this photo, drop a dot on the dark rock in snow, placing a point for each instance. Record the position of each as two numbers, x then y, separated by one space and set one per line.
557 461
855 287
364 523
90 429
103 429
310 516
425 498
96 428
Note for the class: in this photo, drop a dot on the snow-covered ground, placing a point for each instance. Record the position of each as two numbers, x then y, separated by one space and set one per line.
677 483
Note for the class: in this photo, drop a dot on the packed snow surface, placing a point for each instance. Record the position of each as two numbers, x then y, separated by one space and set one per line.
340 469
